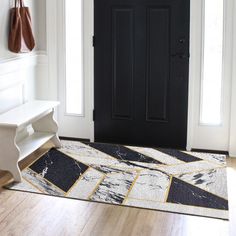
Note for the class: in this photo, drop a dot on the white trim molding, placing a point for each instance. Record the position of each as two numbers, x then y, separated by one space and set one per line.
10 65
75 125
194 65
52 47
232 135
88 31
208 136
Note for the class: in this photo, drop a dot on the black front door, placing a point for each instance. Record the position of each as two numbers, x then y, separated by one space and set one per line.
141 71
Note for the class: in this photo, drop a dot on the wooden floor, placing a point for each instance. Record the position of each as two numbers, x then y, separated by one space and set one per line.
29 214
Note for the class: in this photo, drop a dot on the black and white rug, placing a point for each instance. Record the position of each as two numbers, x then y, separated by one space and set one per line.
158 179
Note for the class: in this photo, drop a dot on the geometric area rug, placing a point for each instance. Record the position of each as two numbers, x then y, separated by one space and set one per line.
152 178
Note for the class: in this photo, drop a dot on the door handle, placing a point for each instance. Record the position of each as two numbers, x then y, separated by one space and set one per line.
181 55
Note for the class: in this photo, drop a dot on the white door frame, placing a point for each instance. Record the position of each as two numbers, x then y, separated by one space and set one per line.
88 7
194 63
232 135
208 136
72 125
194 66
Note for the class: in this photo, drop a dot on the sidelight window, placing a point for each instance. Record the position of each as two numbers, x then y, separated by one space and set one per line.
74 52
211 86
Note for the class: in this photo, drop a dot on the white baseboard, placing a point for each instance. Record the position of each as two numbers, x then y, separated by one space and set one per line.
232 154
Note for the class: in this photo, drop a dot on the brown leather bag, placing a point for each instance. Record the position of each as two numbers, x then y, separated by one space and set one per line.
21 38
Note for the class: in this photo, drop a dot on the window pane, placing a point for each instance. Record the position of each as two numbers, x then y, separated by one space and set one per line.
74 80
212 67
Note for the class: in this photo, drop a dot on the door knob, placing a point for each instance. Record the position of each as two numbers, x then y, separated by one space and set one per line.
182 40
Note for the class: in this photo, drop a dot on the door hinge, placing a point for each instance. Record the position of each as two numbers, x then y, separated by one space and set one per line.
93 41
93 115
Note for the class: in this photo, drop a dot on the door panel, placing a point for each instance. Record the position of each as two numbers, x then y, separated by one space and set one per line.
122 63
141 71
158 50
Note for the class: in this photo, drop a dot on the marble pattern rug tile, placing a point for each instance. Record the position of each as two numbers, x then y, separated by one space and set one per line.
114 188
167 180
151 185
212 180
160 156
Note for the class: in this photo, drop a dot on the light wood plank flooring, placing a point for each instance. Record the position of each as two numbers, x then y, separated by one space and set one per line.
26 214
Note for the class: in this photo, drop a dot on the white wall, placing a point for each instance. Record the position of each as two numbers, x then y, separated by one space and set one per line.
18 72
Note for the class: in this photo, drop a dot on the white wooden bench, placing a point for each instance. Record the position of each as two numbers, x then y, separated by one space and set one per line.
39 114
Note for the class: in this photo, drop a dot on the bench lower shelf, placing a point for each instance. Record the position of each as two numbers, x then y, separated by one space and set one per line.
32 143
38 114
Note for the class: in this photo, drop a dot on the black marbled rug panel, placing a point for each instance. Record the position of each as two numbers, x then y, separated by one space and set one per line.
59 169
187 194
182 156
122 153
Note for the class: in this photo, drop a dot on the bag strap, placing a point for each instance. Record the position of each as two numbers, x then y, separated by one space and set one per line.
19 3
16 3
22 3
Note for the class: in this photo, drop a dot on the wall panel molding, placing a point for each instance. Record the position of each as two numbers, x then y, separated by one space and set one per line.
9 65
19 78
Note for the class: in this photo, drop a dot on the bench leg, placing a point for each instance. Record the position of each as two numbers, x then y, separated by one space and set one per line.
48 124
9 152
56 141
15 171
